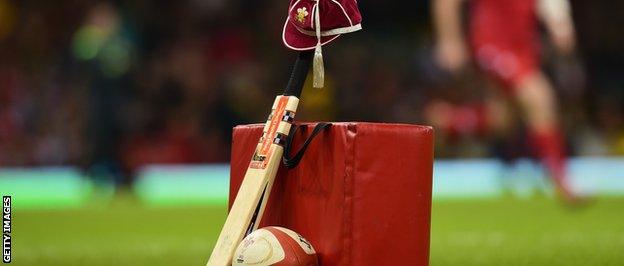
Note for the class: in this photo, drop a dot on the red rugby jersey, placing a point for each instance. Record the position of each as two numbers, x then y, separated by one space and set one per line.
507 21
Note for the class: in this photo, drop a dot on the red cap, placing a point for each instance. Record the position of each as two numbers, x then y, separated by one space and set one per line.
335 16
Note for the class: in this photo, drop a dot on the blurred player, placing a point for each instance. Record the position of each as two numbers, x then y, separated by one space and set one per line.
503 41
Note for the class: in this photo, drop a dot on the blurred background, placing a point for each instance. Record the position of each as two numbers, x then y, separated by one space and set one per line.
137 100
117 85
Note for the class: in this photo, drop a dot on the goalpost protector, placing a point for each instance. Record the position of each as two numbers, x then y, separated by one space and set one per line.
361 192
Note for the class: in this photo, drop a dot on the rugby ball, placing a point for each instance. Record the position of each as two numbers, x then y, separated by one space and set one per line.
275 246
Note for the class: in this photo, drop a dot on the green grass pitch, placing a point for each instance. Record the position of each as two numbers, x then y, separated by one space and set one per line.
471 232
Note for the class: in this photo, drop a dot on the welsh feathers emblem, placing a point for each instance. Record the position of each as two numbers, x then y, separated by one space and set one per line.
302 13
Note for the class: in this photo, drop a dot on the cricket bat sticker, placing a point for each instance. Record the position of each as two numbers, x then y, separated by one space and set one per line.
264 150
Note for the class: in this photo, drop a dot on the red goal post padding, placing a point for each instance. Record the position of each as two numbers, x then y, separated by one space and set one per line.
361 193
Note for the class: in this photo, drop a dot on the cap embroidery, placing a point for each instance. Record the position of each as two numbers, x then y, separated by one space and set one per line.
302 13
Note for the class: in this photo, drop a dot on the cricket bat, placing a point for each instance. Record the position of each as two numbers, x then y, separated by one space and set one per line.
255 189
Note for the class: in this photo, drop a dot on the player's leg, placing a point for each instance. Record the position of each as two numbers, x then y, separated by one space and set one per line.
537 100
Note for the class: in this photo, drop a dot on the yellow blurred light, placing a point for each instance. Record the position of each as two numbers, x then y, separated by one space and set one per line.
7 19
88 42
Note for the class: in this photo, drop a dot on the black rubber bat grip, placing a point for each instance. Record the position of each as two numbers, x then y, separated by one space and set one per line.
299 74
